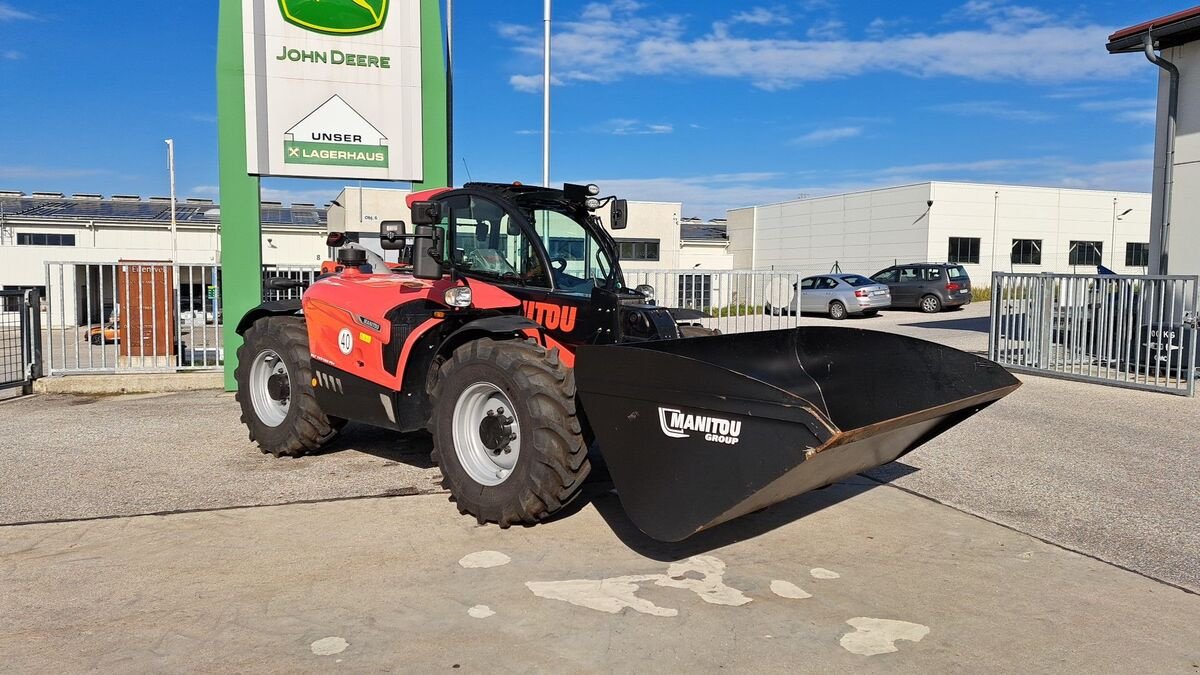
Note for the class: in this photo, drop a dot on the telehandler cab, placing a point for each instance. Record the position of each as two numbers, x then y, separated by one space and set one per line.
511 336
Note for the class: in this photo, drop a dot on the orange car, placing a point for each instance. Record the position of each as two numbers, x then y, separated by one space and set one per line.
100 335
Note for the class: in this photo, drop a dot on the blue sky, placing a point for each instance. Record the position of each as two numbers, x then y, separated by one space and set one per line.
717 104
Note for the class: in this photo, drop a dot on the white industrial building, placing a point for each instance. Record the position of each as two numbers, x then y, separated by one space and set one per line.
50 227
983 227
1175 234
656 238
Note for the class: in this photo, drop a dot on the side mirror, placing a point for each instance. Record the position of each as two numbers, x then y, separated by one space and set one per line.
426 213
391 235
335 239
427 252
620 214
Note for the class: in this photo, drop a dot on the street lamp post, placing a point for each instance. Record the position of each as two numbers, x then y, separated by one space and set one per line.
171 171
546 96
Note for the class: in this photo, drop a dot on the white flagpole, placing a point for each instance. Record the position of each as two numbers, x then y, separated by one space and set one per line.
546 98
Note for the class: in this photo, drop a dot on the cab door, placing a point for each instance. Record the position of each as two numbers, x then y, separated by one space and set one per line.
496 245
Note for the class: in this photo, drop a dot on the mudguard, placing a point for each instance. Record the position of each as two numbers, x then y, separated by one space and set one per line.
697 432
276 308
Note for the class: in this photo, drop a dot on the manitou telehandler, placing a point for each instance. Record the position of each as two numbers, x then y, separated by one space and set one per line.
511 336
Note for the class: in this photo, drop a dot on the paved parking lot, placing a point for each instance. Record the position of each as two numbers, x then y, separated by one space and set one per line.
359 559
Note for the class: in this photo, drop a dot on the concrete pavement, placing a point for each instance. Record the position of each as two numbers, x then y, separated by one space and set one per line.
378 585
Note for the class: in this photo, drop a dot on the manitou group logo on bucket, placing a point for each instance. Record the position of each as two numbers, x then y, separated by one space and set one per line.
336 17
676 424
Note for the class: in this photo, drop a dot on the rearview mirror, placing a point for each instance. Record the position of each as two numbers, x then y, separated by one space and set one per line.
426 213
335 239
427 252
391 235
620 214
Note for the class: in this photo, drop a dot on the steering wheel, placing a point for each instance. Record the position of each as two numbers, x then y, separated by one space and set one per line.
559 264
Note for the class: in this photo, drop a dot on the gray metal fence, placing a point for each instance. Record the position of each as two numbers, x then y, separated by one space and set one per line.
20 339
303 274
132 317
737 301
1129 331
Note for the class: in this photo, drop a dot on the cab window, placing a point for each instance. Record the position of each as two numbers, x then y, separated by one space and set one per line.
908 274
485 240
577 263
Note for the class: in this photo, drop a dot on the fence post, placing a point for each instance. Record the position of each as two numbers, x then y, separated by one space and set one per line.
33 308
1046 289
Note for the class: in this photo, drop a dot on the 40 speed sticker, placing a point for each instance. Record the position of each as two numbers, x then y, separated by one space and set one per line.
346 341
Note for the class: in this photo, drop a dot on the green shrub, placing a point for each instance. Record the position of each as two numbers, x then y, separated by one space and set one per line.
737 310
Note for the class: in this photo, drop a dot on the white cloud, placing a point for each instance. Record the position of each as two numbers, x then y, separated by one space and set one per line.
761 16
629 127
1135 110
829 29
1149 116
11 55
710 196
999 43
10 13
828 135
994 109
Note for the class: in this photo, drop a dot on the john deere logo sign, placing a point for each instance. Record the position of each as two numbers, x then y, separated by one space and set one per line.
336 17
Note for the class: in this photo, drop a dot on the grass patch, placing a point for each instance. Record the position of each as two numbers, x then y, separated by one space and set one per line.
738 310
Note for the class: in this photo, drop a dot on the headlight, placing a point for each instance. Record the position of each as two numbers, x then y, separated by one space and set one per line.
648 291
592 203
593 189
459 296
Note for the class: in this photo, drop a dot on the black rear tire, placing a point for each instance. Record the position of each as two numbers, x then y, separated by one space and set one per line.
305 428
552 462
97 339
931 304
837 311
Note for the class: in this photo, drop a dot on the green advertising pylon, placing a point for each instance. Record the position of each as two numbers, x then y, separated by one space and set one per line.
241 222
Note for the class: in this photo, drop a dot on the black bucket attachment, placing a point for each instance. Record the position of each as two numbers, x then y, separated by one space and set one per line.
700 431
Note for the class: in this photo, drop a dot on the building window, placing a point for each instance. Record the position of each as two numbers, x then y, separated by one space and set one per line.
964 250
42 239
1027 252
638 249
1086 253
1137 255
695 290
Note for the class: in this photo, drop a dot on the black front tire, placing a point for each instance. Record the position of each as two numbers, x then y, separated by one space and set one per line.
97 339
305 428
552 463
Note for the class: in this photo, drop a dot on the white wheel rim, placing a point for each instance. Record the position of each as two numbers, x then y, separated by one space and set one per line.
930 304
487 434
271 410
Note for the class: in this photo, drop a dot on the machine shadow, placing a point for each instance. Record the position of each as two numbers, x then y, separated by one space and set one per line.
412 449
608 504
977 324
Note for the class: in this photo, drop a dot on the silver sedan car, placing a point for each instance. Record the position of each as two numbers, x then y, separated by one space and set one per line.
840 295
